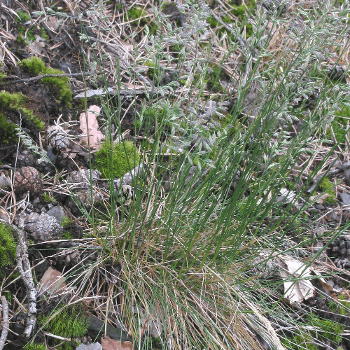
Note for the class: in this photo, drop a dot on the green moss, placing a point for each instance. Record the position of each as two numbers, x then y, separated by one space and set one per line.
328 187
16 102
341 307
35 66
114 162
7 246
299 341
331 330
71 322
327 330
59 84
8 132
38 346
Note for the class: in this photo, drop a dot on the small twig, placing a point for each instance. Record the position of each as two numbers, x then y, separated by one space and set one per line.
5 322
23 265
46 76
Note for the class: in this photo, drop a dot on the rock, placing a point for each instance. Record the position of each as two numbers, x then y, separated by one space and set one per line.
285 196
57 212
97 326
93 346
345 198
42 228
5 182
82 177
347 177
28 179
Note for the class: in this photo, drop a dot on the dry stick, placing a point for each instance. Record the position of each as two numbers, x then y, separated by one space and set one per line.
5 322
23 265
46 76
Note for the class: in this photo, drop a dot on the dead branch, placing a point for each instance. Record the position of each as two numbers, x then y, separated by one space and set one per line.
5 322
23 265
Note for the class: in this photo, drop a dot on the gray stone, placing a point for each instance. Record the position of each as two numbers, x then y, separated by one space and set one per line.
93 346
57 212
345 198
42 227
347 177
82 177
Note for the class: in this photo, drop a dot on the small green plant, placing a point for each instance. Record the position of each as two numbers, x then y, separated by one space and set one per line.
48 198
22 18
115 161
7 246
61 85
71 322
66 222
67 235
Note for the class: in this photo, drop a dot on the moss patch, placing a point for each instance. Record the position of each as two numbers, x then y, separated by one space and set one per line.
15 103
115 161
60 85
328 187
8 246
71 322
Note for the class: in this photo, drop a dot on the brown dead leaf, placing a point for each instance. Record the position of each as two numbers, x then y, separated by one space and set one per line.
52 23
51 282
111 344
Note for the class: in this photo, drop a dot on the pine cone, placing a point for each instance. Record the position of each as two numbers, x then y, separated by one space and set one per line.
340 251
28 179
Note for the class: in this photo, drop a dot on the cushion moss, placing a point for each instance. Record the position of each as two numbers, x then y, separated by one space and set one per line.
115 161
60 85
